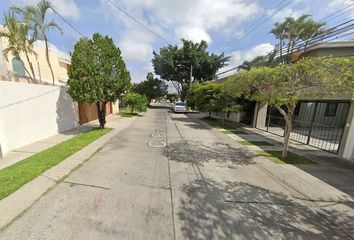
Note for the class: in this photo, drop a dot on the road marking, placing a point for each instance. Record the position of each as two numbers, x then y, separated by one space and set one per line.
159 144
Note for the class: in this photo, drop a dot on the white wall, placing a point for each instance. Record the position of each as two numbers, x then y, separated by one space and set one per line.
30 112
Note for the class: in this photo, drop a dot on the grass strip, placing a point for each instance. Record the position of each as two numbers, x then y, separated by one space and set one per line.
226 128
217 123
237 132
15 176
275 157
128 114
256 143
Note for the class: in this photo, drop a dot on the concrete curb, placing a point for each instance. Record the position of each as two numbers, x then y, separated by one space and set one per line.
18 202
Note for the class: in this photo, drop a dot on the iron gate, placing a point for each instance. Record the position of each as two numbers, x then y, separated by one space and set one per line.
316 123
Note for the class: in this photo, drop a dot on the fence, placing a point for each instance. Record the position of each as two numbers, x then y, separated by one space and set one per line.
316 123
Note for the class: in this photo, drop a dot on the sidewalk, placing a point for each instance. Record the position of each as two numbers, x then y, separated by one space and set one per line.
19 201
24 152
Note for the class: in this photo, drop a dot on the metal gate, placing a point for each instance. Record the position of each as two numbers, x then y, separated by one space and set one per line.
316 123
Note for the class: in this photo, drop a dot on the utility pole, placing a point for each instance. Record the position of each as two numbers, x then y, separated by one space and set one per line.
191 76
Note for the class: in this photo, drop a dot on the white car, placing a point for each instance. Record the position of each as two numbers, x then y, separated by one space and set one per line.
179 107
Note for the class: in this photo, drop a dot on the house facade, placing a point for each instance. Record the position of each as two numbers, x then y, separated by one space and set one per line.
327 124
13 69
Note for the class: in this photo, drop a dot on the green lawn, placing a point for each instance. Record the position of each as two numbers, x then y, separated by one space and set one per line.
256 143
275 156
216 123
237 132
15 176
128 114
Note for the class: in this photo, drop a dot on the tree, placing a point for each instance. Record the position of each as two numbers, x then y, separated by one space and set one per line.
284 85
177 64
152 88
97 73
16 34
268 60
291 30
136 102
36 18
212 97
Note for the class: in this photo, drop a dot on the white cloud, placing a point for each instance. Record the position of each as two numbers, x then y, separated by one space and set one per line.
135 51
67 8
238 57
194 34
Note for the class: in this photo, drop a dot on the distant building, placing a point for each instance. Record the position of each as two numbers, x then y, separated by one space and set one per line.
13 69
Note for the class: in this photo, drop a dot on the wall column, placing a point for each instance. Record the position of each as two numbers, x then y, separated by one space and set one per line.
346 149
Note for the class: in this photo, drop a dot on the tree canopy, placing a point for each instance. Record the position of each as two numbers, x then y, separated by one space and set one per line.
152 88
174 64
97 73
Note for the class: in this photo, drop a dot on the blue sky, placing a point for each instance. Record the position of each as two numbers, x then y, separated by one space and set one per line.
216 21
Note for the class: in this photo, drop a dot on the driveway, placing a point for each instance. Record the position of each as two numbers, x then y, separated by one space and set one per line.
169 177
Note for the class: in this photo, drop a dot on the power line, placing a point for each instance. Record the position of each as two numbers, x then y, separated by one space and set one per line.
138 22
258 23
67 22
329 37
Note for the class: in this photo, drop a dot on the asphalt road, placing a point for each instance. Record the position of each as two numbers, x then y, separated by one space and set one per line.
168 177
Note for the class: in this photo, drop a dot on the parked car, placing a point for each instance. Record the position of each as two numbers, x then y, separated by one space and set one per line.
179 107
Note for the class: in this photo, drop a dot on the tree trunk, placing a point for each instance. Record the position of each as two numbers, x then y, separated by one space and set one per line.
101 113
31 66
209 115
48 61
288 129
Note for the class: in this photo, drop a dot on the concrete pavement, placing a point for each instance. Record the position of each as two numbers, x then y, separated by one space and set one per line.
168 177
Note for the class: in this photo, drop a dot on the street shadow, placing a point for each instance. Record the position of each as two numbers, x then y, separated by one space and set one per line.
189 122
237 210
195 152
330 168
65 110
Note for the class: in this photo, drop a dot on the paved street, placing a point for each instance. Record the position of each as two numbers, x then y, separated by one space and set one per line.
169 177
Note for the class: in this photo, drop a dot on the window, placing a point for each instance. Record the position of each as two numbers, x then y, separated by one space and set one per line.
331 109
17 66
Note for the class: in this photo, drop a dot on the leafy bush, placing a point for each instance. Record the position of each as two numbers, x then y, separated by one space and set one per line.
136 102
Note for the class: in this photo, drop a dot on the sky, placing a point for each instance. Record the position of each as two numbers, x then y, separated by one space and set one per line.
216 21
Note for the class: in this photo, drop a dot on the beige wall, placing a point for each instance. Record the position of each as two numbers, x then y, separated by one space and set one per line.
59 63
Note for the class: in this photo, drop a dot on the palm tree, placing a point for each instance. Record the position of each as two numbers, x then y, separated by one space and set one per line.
311 30
279 32
36 17
292 30
16 34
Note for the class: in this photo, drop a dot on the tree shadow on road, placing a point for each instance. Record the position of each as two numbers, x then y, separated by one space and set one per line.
237 210
195 152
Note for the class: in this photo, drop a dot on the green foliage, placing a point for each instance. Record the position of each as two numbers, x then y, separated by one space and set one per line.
16 34
136 102
276 157
18 174
152 88
212 97
291 30
97 73
174 64
172 97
